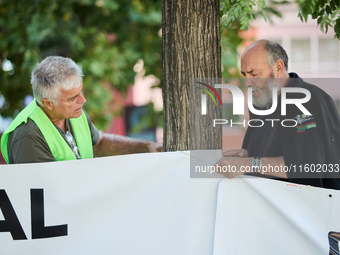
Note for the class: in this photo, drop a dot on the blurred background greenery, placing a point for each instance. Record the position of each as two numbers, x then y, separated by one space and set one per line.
105 37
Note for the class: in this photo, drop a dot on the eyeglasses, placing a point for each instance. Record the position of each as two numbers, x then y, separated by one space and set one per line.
70 140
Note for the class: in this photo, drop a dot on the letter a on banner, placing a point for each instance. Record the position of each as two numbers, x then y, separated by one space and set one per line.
11 223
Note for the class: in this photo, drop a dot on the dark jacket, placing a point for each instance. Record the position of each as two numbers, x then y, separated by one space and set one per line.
311 150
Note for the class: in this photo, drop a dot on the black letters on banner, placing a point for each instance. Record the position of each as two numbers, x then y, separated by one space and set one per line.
37 218
11 223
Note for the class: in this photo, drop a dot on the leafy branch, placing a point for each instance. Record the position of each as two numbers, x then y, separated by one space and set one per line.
327 13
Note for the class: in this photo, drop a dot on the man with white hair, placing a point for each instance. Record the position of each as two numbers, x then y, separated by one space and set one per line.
271 149
54 126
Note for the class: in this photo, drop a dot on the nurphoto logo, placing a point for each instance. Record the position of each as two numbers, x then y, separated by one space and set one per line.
204 97
238 103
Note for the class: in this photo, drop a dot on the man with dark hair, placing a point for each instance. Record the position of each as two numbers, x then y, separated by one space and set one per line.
279 151
54 126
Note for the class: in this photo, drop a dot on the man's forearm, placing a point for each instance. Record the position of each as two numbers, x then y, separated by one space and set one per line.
274 167
270 166
110 144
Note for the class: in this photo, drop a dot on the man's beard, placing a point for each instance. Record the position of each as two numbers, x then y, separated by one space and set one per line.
265 100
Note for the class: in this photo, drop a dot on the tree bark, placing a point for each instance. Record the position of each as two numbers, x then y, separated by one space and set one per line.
191 50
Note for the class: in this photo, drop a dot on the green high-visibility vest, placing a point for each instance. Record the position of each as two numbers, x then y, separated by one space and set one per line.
57 144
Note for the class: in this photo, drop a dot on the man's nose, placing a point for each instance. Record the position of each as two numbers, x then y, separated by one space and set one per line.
81 99
249 82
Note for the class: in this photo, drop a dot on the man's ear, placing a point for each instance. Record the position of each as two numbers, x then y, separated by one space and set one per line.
279 68
46 103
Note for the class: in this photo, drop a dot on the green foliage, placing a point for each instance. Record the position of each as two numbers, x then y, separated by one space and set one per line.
243 11
327 13
106 37
230 41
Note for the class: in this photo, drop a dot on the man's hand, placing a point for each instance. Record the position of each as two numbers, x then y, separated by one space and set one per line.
155 147
231 167
236 153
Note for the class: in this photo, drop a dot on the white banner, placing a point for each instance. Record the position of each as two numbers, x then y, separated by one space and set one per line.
148 204
261 216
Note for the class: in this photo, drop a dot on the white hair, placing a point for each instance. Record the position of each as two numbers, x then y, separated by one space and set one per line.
274 52
53 74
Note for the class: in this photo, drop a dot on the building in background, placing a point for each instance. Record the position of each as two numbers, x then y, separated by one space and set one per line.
312 53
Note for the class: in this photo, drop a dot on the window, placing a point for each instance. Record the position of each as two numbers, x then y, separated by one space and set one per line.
328 55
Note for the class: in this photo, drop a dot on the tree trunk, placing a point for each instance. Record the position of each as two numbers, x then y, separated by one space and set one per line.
191 51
